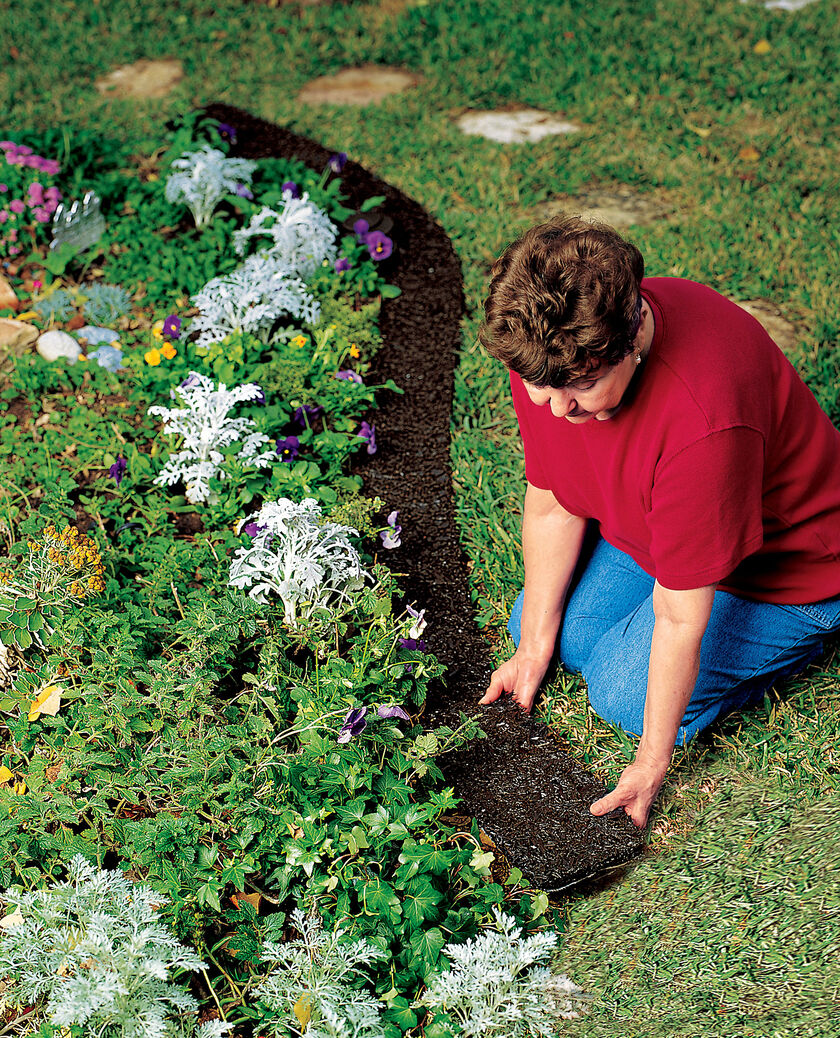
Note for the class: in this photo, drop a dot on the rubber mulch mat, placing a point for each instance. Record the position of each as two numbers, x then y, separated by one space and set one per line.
528 795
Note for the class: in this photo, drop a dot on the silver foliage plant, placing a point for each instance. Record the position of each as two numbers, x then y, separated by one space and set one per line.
311 985
92 952
249 300
308 563
104 303
496 987
201 179
302 235
206 426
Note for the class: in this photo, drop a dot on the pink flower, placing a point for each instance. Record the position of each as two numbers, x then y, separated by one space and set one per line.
4 216
17 205
36 192
4 188
50 166
14 250
52 192
41 215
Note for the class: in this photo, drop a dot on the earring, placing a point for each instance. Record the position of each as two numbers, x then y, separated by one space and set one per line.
638 359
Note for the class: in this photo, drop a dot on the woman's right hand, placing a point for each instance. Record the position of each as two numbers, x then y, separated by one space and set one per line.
521 676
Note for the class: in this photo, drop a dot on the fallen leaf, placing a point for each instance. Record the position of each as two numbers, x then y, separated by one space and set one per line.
303 1010
252 899
5 774
701 131
749 154
12 919
14 53
48 701
762 47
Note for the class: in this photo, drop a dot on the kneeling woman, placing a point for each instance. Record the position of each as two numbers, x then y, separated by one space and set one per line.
662 416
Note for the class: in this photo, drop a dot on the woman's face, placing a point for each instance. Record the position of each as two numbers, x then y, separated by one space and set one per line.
597 395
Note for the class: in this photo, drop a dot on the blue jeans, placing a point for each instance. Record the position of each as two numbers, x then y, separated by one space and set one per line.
748 646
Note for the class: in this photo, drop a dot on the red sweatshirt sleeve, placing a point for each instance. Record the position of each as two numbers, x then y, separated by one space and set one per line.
706 515
534 471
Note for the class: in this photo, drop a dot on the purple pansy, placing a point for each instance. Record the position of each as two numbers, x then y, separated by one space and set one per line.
412 644
342 264
259 398
291 187
392 711
190 381
118 469
419 622
360 229
171 327
305 413
244 192
348 375
379 245
288 448
338 161
367 432
227 132
391 536
252 529
354 724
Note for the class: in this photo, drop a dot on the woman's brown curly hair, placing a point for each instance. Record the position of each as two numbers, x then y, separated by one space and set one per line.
563 298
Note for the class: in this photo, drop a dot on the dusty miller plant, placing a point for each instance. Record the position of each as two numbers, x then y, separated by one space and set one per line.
92 952
495 986
249 300
201 179
104 303
302 235
207 429
313 985
308 563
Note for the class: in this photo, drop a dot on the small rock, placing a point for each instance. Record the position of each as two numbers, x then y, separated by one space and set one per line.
8 296
16 334
94 335
55 344
358 86
619 208
782 332
142 79
514 127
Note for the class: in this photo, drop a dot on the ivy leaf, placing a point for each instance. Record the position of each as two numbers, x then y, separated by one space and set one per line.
428 946
420 901
400 1012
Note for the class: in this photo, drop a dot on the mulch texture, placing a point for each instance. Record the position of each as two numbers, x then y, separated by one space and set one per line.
529 796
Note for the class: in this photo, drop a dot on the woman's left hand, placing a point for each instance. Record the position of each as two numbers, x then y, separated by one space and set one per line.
635 792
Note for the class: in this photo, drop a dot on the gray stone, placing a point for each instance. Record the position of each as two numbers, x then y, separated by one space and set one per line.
367 85
16 334
55 344
781 331
142 79
619 207
517 126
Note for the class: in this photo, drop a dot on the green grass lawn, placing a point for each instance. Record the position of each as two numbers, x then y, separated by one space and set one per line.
729 925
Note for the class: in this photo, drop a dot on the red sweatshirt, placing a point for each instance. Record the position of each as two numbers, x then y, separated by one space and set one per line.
720 465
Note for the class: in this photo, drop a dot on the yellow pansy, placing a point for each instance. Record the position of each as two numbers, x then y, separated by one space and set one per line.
354 351
168 350
152 357
299 340
157 329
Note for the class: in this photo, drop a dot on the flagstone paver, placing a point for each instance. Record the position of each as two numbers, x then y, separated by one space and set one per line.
619 207
516 126
366 85
781 331
142 79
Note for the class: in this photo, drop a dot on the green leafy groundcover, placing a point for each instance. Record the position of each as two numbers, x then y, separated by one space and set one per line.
155 718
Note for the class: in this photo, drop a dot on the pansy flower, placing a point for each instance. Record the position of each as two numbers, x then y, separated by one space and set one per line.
291 187
367 432
412 644
288 448
227 132
379 245
391 536
152 357
244 192
168 350
252 529
342 264
354 724
348 375
118 469
171 327
419 621
305 413
392 711
338 161
360 229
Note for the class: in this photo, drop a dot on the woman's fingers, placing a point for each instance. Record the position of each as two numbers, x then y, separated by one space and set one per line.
522 678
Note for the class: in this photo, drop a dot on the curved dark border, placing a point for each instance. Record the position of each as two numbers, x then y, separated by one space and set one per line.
527 794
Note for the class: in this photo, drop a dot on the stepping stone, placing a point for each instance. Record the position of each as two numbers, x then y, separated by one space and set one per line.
519 126
782 332
367 85
142 79
619 207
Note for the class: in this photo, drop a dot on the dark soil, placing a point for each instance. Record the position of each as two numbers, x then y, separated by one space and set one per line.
528 795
